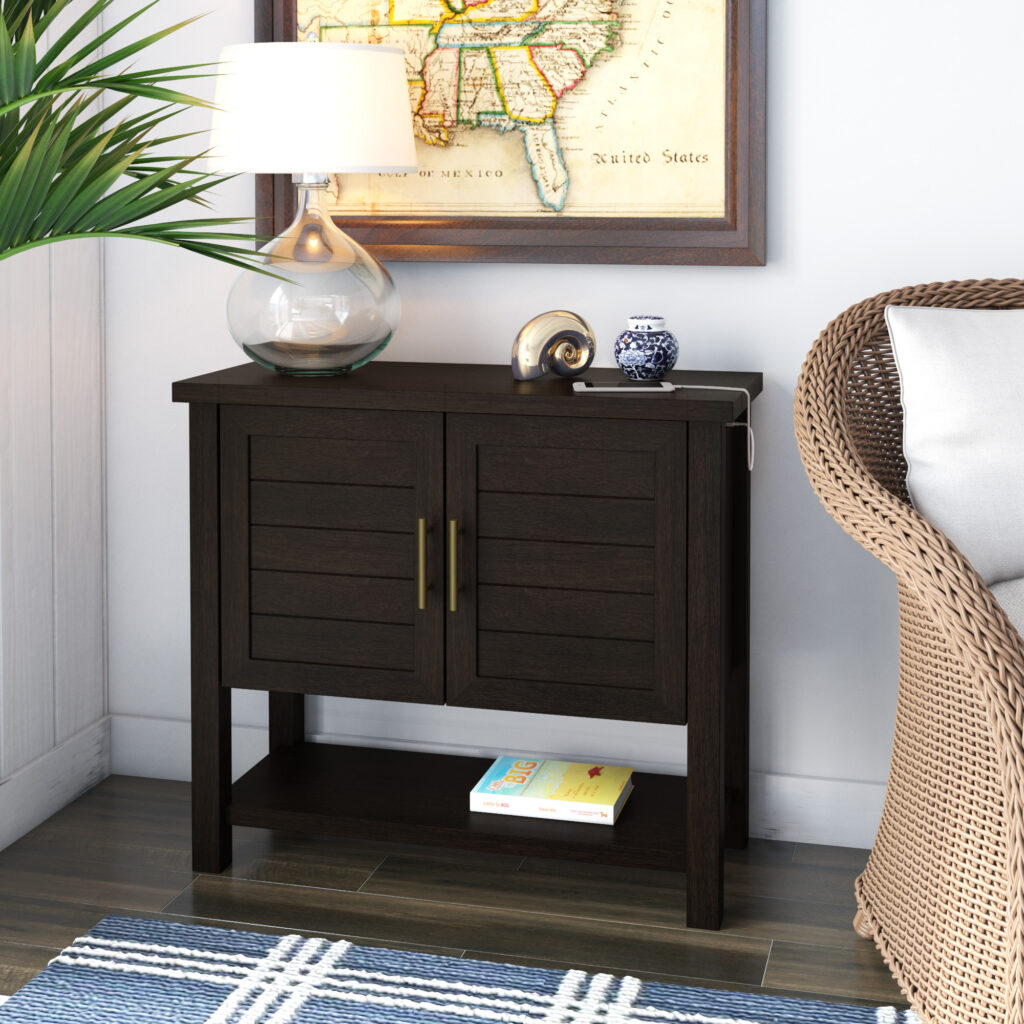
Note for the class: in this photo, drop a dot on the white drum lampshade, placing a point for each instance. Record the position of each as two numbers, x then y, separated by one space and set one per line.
310 110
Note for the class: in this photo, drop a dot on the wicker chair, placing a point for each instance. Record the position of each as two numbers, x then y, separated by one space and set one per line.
942 894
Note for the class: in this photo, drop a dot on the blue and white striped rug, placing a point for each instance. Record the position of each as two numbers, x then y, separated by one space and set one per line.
133 971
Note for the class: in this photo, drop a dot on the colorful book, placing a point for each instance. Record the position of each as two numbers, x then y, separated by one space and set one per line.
563 790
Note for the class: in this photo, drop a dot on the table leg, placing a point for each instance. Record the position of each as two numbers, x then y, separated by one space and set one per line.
737 677
707 502
287 719
211 779
211 702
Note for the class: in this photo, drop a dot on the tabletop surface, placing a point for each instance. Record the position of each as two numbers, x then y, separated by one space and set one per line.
461 387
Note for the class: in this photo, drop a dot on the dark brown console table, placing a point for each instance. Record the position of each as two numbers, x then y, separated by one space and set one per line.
443 534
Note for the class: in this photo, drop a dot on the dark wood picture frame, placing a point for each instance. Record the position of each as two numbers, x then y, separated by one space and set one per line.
737 239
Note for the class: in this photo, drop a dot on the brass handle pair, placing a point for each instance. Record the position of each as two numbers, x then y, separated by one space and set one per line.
453 564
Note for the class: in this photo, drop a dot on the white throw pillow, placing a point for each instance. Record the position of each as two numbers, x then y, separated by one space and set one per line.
1010 595
962 378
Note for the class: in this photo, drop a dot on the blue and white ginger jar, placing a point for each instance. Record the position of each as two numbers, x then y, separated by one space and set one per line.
646 351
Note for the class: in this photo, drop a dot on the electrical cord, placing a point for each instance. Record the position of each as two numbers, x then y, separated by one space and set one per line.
749 426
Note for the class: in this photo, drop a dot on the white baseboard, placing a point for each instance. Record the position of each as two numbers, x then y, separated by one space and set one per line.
833 812
161 748
42 787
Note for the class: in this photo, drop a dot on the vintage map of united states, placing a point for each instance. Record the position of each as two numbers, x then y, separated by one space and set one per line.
501 65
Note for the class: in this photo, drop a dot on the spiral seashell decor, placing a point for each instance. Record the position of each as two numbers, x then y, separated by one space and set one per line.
559 340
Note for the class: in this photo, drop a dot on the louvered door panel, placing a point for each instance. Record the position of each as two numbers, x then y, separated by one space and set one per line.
571 566
320 556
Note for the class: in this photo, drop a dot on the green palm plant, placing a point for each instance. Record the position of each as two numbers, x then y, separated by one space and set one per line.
70 168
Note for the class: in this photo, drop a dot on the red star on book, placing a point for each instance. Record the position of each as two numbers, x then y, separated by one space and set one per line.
596 770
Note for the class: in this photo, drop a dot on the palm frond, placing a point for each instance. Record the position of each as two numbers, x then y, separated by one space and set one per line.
103 62
237 256
70 168
77 29
17 12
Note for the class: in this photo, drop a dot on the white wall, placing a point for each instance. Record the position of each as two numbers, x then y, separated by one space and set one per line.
894 157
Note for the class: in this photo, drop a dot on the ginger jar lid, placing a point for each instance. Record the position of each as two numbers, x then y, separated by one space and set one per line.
646 322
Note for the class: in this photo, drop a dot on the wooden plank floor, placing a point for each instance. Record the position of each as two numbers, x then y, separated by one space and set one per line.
123 848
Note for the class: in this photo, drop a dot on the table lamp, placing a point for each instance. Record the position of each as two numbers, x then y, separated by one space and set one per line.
309 110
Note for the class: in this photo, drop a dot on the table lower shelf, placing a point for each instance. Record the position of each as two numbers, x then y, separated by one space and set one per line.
406 796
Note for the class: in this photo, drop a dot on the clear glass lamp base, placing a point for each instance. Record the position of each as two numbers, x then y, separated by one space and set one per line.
330 308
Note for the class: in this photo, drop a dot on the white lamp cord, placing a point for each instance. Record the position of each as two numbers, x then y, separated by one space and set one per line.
749 425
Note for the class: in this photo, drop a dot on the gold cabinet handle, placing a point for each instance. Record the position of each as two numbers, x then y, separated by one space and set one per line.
453 565
421 564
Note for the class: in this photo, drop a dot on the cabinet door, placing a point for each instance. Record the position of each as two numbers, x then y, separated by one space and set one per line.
570 565
320 552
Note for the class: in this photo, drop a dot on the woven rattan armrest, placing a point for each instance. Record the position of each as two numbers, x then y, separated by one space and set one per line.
943 892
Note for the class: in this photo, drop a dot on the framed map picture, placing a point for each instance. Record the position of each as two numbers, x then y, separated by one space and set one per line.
568 131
